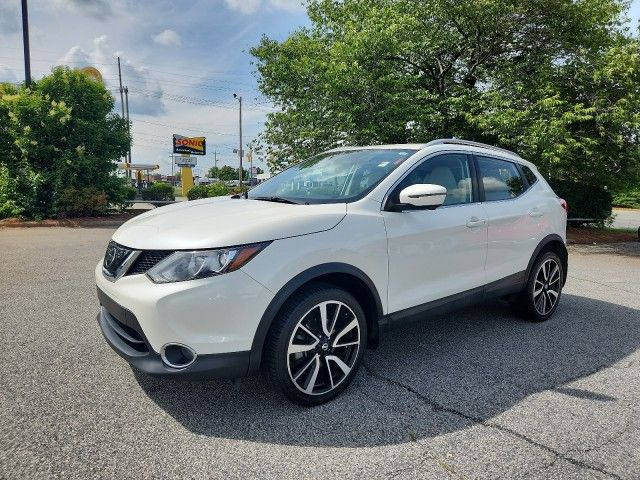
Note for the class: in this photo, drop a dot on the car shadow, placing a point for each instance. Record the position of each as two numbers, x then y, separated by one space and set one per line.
427 378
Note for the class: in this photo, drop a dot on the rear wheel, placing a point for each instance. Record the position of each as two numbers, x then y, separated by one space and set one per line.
539 301
316 345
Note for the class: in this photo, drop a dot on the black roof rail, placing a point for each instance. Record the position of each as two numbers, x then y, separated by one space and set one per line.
456 141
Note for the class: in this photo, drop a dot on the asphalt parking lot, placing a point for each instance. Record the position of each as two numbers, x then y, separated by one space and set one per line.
476 394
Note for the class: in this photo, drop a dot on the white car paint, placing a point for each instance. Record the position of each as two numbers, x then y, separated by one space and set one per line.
223 221
412 257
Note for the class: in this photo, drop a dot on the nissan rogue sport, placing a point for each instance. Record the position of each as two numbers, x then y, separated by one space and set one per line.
299 276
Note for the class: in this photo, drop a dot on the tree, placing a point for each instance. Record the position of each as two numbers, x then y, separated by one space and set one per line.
62 138
226 173
556 80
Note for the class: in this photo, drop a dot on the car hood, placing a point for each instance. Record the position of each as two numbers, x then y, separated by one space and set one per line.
225 221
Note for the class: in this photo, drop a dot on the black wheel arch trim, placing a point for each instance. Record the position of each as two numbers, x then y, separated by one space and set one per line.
543 243
294 284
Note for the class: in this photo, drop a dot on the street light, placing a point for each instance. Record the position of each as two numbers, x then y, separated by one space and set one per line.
240 153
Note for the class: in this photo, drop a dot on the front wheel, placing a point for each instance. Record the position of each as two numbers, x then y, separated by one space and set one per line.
316 345
539 301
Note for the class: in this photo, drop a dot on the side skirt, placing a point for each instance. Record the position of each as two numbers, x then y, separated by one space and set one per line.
500 288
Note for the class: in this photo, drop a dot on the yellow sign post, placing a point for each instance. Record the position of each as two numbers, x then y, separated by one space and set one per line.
187 146
186 163
186 177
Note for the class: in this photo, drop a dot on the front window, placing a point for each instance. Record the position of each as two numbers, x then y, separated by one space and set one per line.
332 177
450 171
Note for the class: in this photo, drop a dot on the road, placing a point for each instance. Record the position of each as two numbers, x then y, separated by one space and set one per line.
626 218
476 394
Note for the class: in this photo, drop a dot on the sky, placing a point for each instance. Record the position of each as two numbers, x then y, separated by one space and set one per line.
182 60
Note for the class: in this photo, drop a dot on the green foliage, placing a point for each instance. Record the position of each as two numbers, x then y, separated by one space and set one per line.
556 80
585 201
8 205
122 198
160 192
629 198
58 138
82 202
217 189
225 173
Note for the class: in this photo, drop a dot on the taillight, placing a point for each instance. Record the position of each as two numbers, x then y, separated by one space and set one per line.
565 205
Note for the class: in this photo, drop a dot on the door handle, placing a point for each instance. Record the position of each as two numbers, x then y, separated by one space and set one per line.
476 222
536 212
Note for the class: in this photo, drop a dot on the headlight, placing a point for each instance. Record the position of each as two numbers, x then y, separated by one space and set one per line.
181 266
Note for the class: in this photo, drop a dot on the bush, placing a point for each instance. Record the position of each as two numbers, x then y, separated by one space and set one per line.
585 201
159 192
121 193
58 143
217 189
84 202
628 198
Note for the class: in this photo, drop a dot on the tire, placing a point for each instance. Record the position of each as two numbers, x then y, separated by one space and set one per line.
308 366
540 298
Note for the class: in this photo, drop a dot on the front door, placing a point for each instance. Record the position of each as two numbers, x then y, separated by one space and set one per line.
436 253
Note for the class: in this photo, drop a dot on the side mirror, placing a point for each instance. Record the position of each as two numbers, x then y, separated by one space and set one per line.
423 195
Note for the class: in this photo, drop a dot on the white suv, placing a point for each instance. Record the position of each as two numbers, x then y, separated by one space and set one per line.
300 276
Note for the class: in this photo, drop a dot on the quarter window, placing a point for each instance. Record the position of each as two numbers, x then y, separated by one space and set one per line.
529 175
501 179
450 171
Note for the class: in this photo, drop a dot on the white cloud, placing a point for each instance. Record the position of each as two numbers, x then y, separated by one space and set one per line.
291 5
7 75
168 38
248 7
145 93
100 9
9 20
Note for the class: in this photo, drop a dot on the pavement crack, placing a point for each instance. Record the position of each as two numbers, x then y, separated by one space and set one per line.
437 407
602 284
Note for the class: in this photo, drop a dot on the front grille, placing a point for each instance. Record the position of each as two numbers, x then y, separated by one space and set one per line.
114 257
146 260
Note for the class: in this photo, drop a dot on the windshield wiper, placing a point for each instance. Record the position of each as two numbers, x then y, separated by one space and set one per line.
275 199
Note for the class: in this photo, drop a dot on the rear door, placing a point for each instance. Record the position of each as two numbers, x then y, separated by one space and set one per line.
436 253
515 217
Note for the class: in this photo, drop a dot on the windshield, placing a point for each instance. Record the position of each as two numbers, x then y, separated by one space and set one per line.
332 177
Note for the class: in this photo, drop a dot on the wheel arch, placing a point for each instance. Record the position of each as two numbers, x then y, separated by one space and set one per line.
342 275
551 243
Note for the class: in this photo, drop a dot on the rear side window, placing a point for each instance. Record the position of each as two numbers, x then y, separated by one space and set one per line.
529 175
500 178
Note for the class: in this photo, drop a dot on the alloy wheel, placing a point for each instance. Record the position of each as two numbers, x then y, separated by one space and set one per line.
323 347
546 287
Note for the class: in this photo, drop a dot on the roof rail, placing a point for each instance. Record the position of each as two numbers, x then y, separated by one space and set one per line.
456 141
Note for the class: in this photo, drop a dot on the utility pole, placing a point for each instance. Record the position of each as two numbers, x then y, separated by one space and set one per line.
215 160
240 143
25 42
126 96
122 105
120 78
250 157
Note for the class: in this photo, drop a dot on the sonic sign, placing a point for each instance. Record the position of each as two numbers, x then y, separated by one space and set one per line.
190 145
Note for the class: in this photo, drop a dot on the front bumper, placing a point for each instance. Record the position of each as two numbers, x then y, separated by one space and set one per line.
212 316
124 335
